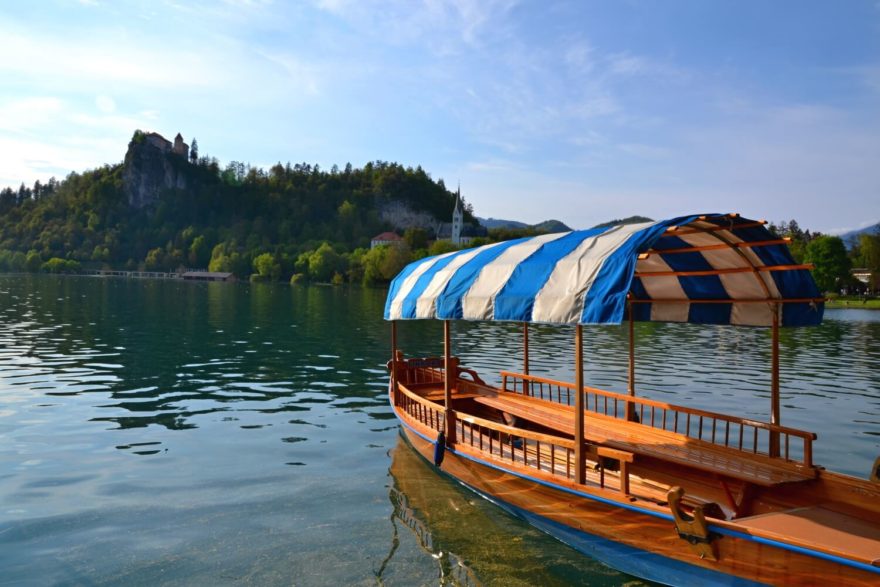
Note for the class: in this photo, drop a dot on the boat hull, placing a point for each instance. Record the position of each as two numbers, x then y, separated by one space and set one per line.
629 539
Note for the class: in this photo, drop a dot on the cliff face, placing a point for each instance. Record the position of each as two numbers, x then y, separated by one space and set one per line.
150 167
401 216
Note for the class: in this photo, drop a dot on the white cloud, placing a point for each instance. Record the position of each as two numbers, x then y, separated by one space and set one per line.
24 114
28 159
88 59
304 75
442 25
625 64
105 104
645 151
45 136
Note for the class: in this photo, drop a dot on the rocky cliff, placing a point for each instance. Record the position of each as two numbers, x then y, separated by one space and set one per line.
401 216
150 167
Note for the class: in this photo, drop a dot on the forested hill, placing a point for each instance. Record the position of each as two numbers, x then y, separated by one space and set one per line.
160 210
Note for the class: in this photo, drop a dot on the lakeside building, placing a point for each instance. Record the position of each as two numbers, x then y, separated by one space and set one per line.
208 276
386 238
871 279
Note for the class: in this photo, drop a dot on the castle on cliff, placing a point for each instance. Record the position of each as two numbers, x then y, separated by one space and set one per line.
164 145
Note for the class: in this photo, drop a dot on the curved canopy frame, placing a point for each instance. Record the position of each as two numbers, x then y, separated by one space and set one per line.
705 269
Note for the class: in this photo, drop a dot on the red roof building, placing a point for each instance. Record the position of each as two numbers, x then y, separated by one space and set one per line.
386 238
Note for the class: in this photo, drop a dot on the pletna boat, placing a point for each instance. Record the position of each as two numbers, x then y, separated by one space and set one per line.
668 493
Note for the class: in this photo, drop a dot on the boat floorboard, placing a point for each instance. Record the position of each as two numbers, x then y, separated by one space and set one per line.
829 530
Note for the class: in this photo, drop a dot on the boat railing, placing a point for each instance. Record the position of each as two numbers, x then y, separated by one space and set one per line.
420 409
542 452
545 453
744 435
421 370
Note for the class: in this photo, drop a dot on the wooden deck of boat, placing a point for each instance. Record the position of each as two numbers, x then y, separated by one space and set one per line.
822 528
650 442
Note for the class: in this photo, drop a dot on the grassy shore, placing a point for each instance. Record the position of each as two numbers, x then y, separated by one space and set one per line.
854 302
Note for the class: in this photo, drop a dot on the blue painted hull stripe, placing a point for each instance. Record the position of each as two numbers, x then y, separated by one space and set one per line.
724 531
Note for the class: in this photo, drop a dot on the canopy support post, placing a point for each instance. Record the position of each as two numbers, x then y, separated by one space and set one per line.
447 386
631 387
526 348
774 382
394 361
579 464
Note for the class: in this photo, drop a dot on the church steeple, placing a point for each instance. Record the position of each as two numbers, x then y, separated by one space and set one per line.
457 218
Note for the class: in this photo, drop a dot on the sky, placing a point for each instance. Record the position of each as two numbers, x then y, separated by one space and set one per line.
582 111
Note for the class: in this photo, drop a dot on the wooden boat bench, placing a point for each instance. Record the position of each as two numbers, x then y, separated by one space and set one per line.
646 441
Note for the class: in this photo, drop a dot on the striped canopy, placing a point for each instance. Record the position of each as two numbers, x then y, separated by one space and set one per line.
706 269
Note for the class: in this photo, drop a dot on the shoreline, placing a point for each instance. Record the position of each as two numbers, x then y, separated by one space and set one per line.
872 304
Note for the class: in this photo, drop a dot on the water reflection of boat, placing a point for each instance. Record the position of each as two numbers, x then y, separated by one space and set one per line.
470 541
665 492
409 475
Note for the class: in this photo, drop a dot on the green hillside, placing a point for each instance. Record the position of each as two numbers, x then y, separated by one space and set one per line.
207 215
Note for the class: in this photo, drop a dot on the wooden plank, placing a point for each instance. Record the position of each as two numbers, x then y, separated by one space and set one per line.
679 230
729 301
718 247
440 395
704 272
815 527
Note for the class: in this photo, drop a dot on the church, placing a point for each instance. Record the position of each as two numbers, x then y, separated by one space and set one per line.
457 232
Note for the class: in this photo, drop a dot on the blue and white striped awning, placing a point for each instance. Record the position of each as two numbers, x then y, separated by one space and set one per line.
708 269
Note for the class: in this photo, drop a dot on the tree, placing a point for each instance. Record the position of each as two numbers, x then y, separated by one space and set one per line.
869 251
832 265
324 262
199 252
267 266
416 238
33 261
381 264
396 258
57 265
155 259
439 247
194 152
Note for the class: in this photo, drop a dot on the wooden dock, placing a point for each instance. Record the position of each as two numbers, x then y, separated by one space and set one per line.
133 274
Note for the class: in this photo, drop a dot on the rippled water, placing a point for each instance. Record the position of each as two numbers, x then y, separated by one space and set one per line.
178 433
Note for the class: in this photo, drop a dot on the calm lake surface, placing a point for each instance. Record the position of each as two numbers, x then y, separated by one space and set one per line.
154 432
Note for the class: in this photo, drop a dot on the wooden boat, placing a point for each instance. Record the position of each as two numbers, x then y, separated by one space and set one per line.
668 493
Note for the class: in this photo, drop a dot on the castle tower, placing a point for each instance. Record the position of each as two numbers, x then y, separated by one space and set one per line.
457 219
180 148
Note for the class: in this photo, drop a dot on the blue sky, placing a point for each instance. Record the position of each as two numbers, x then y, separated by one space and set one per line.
582 111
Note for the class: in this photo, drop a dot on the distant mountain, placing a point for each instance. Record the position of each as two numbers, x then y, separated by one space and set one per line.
498 223
551 226
627 220
851 238
548 226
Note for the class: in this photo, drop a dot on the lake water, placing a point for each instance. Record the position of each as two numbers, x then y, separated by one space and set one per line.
156 432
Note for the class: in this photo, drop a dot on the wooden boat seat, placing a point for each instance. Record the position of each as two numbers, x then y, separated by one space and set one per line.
650 442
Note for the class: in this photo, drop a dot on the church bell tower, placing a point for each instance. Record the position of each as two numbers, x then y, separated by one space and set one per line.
457 219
